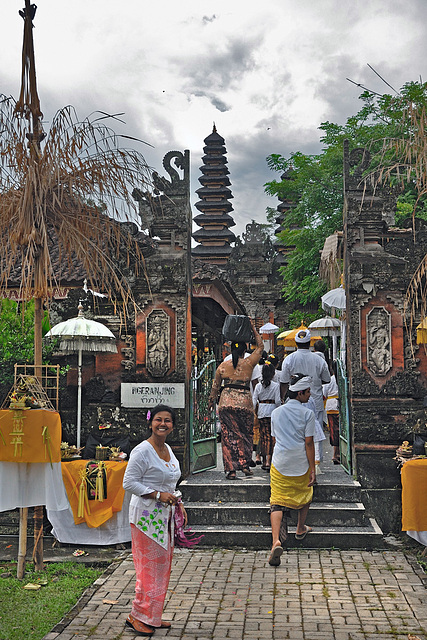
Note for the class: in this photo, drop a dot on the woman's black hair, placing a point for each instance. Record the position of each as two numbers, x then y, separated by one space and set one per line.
158 409
263 358
237 351
268 372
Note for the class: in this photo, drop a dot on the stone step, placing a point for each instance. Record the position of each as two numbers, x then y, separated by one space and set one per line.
257 491
259 537
349 514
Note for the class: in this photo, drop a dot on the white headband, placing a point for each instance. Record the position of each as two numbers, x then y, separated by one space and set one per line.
302 384
303 336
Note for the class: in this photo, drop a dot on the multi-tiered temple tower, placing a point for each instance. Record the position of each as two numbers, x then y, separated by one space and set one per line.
215 237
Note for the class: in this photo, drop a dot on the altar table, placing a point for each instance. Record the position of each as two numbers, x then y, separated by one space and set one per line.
414 499
103 522
30 467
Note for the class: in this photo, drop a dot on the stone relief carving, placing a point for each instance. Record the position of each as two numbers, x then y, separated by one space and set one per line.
158 343
378 334
128 352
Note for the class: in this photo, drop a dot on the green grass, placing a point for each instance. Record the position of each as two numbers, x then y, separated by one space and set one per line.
32 614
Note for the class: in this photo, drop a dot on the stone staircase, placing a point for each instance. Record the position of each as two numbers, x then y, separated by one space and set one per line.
235 513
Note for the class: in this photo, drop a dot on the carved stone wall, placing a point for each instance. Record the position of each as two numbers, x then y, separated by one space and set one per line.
254 276
154 339
386 384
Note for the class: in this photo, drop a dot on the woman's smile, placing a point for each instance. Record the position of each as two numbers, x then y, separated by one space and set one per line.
162 423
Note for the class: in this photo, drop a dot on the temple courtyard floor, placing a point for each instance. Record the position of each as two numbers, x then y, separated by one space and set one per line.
320 594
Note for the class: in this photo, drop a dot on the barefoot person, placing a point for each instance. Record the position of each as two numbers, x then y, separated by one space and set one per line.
151 475
292 473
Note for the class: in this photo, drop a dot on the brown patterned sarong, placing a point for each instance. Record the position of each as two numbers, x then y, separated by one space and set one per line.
266 439
334 429
237 425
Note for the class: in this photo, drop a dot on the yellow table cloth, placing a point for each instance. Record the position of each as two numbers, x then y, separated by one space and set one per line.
95 511
31 435
414 495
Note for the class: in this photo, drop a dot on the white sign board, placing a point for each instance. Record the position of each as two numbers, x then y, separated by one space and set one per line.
149 394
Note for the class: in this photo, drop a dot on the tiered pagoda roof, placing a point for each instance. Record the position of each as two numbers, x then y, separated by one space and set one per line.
214 236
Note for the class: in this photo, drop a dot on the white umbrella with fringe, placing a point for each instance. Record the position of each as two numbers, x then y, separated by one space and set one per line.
330 327
77 335
269 327
334 299
326 326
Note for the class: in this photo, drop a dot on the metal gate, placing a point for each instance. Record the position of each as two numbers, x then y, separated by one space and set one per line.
203 437
345 435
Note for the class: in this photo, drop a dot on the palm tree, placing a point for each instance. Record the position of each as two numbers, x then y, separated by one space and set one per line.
56 189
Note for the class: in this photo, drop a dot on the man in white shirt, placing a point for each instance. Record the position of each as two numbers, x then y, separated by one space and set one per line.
292 472
304 361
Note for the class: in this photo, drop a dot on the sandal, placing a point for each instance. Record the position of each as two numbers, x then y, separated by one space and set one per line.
248 472
301 536
231 475
140 627
274 559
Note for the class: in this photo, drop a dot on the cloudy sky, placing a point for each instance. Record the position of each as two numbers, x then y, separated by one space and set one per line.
267 73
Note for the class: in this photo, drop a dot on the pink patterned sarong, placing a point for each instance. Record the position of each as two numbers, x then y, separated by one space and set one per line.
153 568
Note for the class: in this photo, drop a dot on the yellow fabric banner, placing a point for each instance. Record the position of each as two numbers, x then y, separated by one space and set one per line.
30 435
414 489
93 512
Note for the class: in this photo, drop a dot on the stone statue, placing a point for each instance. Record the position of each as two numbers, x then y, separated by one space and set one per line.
378 341
158 343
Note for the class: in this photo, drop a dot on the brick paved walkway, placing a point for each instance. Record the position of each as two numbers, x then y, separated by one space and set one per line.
313 595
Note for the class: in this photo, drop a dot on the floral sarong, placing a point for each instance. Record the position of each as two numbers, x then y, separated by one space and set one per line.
237 425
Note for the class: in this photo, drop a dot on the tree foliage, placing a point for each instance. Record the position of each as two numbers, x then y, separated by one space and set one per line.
17 340
314 183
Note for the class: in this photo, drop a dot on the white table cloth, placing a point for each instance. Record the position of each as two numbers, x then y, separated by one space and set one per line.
25 484
116 530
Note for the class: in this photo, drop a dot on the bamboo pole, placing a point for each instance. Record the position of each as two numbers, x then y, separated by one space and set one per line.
38 511
22 550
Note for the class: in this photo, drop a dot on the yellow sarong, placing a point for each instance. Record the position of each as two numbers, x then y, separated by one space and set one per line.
290 491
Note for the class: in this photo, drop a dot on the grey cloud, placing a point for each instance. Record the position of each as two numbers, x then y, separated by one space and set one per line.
207 19
218 70
214 100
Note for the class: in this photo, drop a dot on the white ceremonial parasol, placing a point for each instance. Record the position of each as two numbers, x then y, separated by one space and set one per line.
78 335
330 327
326 326
334 299
268 328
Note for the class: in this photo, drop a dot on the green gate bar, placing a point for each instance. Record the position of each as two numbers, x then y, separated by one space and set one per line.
203 437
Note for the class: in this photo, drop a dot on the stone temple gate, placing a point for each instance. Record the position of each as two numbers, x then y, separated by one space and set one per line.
387 383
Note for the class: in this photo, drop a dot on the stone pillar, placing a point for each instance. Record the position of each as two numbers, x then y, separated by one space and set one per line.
163 315
386 384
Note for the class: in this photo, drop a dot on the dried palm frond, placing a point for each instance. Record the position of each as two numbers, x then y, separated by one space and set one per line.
330 268
403 160
72 192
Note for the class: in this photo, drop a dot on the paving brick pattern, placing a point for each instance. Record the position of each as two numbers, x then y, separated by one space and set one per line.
312 595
